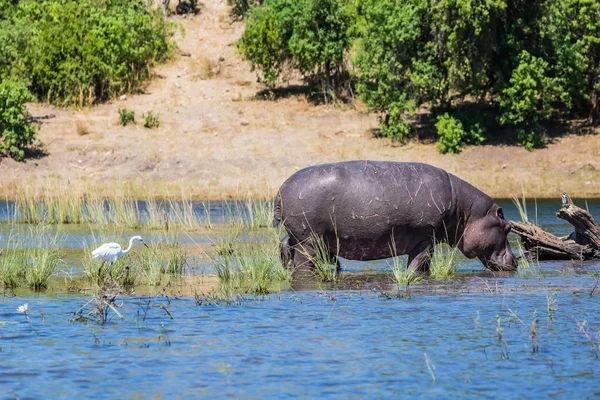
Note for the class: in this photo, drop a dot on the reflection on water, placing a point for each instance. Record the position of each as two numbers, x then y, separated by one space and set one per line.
483 335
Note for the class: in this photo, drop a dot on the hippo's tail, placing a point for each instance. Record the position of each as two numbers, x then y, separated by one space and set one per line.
277 216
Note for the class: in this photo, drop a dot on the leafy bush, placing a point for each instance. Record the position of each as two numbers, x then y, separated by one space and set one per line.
77 52
456 132
395 63
527 57
393 126
527 99
451 134
126 116
18 132
151 120
310 36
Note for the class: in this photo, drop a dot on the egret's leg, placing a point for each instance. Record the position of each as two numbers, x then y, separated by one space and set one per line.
100 269
110 269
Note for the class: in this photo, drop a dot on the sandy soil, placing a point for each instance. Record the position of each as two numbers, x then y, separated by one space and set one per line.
217 140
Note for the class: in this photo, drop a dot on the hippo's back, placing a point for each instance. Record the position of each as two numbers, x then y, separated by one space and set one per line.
365 203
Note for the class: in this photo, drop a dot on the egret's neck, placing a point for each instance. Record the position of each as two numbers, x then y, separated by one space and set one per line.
129 247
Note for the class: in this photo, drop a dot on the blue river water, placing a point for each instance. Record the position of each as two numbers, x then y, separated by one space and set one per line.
526 335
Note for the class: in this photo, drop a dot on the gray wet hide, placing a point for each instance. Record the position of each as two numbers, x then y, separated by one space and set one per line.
368 210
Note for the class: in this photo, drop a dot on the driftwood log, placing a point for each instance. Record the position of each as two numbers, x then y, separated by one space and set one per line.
582 244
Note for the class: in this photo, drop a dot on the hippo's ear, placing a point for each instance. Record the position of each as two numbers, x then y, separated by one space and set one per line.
499 213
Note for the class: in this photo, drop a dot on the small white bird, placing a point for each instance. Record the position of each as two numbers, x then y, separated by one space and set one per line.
566 200
112 251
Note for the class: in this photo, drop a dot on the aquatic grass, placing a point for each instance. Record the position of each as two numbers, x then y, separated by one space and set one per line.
233 215
400 272
156 216
182 214
62 204
258 213
254 269
96 211
149 266
207 215
176 257
165 256
45 261
258 267
124 212
526 267
442 264
521 205
22 264
226 243
13 264
27 210
228 273
217 298
263 268
326 264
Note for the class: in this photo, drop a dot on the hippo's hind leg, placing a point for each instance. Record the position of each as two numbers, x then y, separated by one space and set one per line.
286 251
419 257
303 255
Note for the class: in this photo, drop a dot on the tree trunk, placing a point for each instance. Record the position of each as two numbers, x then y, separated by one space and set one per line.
583 244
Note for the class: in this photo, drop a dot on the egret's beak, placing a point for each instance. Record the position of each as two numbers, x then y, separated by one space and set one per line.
145 244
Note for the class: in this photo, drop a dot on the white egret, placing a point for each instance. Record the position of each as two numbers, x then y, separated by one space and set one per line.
112 251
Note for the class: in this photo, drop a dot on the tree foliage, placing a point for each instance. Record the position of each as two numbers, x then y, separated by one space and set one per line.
74 52
525 60
310 36
16 129
71 52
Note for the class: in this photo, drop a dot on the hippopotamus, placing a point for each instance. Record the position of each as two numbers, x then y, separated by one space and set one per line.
369 210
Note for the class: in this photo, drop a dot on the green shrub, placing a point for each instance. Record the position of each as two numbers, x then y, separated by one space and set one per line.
527 99
126 116
393 126
16 127
310 36
151 120
394 58
80 51
451 134
528 57
455 132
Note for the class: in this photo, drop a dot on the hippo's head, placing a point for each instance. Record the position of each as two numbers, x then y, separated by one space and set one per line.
486 238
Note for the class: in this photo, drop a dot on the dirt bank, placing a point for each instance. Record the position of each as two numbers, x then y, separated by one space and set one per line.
216 140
